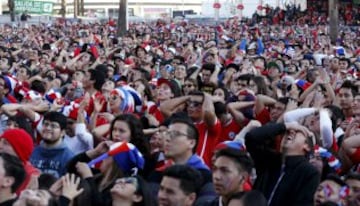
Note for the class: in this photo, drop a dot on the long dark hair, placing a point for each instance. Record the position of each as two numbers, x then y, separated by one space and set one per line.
137 135
147 90
144 191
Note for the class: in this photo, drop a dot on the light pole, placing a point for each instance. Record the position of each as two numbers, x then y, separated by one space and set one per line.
11 5
260 7
240 8
333 14
75 9
183 8
63 8
122 18
217 6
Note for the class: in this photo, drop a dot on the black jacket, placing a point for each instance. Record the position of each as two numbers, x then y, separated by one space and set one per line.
91 184
300 180
8 202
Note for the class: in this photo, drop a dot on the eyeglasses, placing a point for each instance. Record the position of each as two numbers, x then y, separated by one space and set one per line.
129 180
52 125
193 103
172 134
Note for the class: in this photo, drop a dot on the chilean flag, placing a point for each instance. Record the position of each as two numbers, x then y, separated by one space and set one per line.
115 149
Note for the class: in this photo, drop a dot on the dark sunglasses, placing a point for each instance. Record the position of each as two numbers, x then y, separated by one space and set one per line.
193 103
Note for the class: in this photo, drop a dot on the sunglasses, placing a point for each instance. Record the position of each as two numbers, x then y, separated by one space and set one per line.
113 97
193 103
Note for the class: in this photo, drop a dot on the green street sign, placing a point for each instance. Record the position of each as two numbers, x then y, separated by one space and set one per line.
34 7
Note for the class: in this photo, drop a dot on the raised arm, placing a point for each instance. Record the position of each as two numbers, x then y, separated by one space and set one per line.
214 76
262 101
297 114
168 107
209 110
326 132
260 143
234 108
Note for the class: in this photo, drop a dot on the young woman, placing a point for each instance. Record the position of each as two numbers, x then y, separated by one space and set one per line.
128 128
131 191
101 181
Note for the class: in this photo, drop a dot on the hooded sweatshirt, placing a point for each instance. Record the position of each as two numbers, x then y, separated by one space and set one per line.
51 160
22 144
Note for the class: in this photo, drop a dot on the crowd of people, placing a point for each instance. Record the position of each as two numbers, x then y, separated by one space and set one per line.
252 112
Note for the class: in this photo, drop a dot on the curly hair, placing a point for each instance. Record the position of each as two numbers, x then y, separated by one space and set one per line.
136 129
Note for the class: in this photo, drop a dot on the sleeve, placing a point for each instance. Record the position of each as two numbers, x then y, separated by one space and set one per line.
37 124
260 48
295 115
216 128
243 45
261 144
84 136
64 201
326 129
71 165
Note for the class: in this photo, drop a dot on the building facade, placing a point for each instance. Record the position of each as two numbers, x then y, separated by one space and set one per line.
138 8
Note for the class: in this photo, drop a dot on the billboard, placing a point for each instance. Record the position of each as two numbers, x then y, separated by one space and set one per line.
34 7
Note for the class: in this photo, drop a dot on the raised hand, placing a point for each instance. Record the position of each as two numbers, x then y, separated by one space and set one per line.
98 105
56 188
291 105
319 100
70 186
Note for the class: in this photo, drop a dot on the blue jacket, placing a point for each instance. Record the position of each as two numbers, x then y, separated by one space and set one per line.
51 160
196 162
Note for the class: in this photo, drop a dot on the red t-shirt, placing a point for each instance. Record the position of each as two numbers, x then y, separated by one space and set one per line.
264 116
154 110
355 157
90 107
208 139
229 131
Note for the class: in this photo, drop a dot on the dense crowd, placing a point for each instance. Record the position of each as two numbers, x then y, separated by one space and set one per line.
251 112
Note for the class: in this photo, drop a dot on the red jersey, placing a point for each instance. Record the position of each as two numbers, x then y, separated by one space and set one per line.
263 117
229 131
208 139
90 107
154 110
